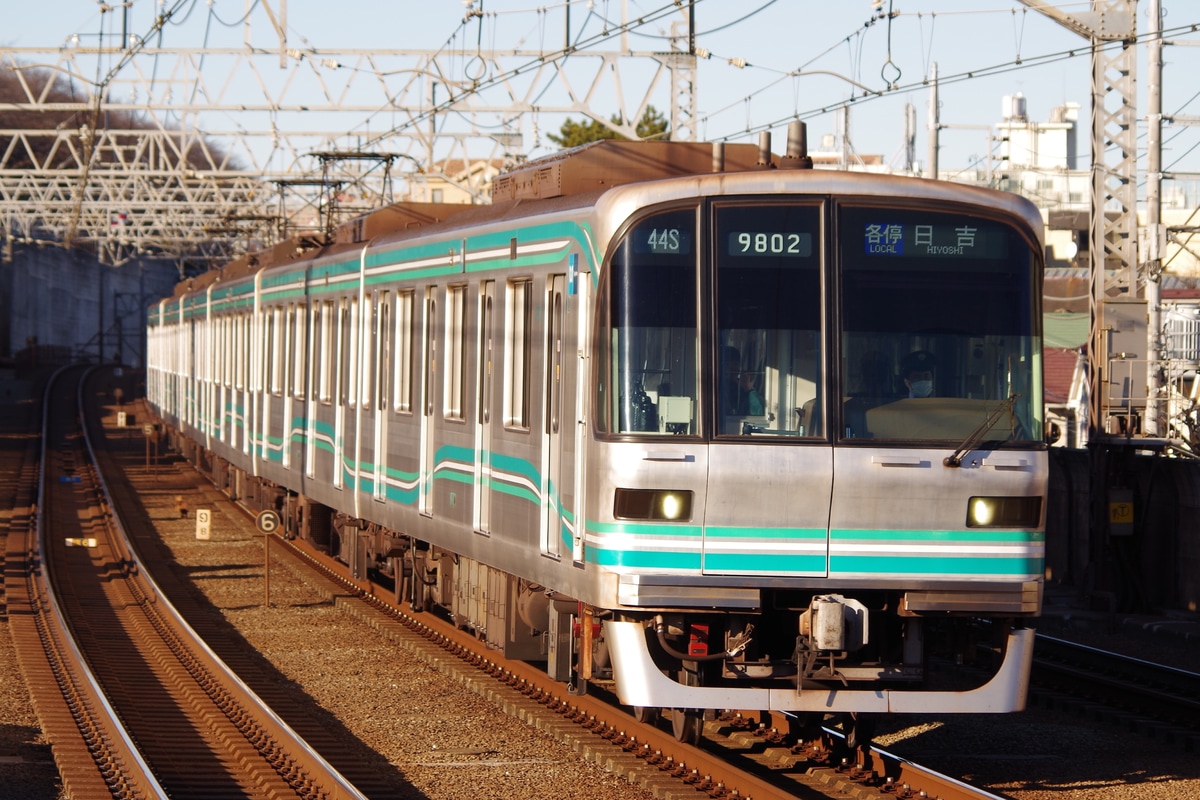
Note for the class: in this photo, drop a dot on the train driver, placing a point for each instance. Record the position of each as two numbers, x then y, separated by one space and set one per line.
918 373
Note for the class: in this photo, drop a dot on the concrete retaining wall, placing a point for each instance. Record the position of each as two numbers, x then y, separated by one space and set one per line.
1156 566
67 298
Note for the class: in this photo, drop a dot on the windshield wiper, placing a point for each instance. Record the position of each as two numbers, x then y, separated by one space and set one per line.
955 458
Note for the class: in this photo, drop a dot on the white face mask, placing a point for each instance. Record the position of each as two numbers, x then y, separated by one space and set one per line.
921 388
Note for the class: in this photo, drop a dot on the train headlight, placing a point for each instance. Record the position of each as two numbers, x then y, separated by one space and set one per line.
671 505
657 504
1004 512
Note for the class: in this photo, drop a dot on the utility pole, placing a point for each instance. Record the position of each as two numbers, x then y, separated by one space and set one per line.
934 124
1154 233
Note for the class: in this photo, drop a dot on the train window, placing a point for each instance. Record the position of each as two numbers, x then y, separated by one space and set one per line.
233 343
366 361
554 362
246 350
299 387
383 364
327 340
940 315
456 350
289 348
348 376
485 353
267 347
517 353
227 351
648 367
405 341
431 351
768 312
240 344
276 358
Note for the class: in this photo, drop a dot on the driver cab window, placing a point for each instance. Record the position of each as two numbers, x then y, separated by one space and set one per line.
649 374
768 295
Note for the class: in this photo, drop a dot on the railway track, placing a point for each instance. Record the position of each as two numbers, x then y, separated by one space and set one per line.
738 758
134 703
1142 696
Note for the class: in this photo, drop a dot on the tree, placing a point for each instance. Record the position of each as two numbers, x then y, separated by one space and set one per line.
653 125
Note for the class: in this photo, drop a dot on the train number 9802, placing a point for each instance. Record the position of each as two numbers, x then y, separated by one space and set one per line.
770 243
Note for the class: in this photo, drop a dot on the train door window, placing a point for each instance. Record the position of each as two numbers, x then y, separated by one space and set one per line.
289 350
267 346
235 347
328 362
367 334
456 350
240 344
277 358
648 374
384 334
247 350
191 373
484 384
940 326
231 344
349 353
405 341
517 353
225 353
554 362
768 312
315 329
431 351
299 385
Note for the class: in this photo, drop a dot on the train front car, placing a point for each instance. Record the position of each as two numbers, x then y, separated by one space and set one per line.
819 457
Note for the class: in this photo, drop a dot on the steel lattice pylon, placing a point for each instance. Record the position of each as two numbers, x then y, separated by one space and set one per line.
248 121
1110 28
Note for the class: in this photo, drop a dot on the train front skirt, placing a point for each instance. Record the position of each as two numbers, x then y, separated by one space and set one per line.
641 683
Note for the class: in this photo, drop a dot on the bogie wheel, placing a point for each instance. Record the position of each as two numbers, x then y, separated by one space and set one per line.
687 724
860 731
647 715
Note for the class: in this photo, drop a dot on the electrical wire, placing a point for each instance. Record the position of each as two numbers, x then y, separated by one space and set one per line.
1001 68
213 12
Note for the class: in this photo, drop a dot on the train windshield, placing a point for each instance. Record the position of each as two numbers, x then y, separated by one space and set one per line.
934 330
939 333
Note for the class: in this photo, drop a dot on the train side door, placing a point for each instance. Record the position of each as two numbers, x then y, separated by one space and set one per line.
552 433
483 413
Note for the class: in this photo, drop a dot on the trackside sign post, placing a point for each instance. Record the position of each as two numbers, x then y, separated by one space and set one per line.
203 524
268 523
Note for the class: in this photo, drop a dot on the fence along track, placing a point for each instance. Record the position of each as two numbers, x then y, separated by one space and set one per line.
191 727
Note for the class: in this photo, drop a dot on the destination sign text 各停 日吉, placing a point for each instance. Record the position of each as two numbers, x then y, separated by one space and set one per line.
968 239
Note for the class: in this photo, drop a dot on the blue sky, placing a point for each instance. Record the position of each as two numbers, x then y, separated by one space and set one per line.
754 48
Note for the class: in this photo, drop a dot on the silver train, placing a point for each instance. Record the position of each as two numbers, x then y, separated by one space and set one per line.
717 432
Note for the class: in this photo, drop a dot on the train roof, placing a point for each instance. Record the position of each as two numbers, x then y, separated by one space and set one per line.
603 174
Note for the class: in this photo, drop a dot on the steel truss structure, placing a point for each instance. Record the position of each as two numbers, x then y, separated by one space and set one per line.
225 149
1111 30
